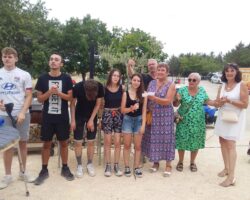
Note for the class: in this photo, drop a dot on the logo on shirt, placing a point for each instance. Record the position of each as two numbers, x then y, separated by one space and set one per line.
8 86
16 79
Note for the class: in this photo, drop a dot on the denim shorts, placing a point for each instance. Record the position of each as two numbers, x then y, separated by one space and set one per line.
131 124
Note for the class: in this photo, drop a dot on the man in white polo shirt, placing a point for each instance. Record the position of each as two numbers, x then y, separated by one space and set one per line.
16 88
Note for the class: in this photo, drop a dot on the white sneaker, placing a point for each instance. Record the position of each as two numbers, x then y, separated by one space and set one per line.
108 170
79 171
26 177
91 169
7 179
117 170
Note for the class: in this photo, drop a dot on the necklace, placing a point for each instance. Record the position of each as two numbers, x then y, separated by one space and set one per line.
230 87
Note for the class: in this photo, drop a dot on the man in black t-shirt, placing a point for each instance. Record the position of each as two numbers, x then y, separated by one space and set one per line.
87 97
147 77
54 90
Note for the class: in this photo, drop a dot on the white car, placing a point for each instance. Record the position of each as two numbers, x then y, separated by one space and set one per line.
216 79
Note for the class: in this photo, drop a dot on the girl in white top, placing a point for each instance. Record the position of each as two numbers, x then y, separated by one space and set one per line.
233 97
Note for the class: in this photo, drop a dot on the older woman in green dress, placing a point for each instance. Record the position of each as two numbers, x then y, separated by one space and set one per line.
190 131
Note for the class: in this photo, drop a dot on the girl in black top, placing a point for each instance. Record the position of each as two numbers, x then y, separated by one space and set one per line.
112 121
134 108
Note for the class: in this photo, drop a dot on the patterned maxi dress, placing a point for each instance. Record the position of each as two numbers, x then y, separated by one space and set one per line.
158 142
191 131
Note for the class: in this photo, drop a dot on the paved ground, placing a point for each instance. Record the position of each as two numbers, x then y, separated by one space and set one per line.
181 185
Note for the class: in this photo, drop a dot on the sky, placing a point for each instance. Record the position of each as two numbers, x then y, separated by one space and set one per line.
183 26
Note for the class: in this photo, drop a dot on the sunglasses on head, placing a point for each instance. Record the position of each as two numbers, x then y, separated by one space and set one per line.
232 64
192 80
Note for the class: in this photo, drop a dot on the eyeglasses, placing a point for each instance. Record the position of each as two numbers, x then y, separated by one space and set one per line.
192 80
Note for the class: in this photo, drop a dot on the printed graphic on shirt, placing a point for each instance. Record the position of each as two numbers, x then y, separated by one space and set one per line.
55 101
9 88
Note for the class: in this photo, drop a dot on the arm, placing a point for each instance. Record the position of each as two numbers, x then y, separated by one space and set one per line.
41 97
130 67
26 105
244 98
72 114
144 111
90 124
168 99
177 100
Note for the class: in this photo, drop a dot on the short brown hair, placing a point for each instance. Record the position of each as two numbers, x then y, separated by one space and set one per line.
9 50
91 89
163 65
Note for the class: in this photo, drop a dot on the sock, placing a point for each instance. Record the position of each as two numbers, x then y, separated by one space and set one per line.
89 161
65 166
44 167
79 160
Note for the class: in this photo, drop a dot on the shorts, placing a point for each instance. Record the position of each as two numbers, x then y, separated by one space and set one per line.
81 128
23 129
61 130
112 121
131 124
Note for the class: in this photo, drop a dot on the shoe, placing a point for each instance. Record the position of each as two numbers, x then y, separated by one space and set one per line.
154 168
26 177
193 167
127 172
107 171
138 172
248 151
117 170
6 181
223 173
91 169
167 171
228 183
179 167
43 175
79 171
66 173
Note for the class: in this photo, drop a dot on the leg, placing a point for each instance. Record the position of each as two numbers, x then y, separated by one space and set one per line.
168 169
137 143
224 152
107 147
7 157
117 142
232 155
64 151
193 166
126 149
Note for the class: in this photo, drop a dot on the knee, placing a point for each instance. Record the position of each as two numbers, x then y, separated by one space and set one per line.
127 146
117 145
64 144
138 147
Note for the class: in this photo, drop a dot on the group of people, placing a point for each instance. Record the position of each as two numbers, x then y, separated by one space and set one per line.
142 113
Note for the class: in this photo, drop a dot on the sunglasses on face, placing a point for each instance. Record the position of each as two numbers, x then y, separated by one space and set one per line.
192 80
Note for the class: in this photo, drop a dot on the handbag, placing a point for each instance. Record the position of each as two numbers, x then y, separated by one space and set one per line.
229 116
149 118
177 117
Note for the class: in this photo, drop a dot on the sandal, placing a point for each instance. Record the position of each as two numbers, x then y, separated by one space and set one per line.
223 173
167 171
179 167
154 168
193 167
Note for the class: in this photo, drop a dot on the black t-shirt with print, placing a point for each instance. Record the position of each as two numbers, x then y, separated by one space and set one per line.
84 107
146 80
55 109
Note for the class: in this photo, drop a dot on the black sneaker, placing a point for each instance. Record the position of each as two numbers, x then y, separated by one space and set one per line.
138 172
67 174
43 175
127 172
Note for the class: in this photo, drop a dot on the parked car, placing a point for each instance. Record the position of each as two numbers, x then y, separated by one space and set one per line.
216 79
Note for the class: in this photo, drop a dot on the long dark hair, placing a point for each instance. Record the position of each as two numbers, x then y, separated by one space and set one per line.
238 76
140 89
109 81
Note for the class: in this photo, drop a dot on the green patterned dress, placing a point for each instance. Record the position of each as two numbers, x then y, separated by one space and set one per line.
191 131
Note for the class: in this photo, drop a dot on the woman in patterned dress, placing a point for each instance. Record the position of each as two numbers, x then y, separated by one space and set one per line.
159 140
191 130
